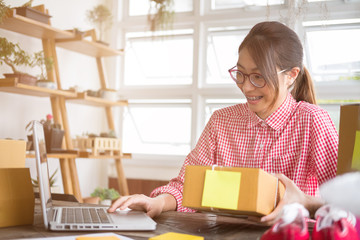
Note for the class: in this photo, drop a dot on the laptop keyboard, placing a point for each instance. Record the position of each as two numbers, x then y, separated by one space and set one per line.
84 215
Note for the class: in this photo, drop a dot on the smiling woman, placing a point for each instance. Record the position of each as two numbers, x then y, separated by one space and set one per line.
275 130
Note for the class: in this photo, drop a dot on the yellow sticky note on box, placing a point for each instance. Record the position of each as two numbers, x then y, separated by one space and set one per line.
221 189
356 154
176 236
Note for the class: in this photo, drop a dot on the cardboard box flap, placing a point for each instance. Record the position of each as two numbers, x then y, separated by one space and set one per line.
12 153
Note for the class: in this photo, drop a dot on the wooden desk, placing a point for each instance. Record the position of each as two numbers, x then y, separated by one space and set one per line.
207 225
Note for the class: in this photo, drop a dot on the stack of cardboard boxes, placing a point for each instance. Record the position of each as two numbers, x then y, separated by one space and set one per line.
16 193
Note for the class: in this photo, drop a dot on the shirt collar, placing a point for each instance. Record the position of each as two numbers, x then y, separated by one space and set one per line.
278 118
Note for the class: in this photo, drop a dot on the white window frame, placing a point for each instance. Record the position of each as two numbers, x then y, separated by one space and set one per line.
200 19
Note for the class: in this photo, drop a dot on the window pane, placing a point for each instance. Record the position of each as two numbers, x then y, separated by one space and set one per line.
333 61
228 4
159 61
141 7
157 129
222 54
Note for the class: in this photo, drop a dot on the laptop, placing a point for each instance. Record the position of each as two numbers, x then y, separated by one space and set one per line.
84 218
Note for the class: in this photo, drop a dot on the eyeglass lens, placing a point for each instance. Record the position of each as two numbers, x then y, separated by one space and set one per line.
256 79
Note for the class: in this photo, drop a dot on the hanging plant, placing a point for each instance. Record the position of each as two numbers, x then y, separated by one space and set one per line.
161 14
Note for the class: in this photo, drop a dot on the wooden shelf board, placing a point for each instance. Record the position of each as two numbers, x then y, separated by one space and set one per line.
55 155
87 47
83 98
89 155
32 28
11 85
63 38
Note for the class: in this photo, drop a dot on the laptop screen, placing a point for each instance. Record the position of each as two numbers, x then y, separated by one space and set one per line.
42 170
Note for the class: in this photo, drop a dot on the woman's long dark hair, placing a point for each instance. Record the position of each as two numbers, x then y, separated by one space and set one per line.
272 45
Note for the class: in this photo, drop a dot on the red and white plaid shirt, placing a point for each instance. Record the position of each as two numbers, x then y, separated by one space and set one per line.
299 140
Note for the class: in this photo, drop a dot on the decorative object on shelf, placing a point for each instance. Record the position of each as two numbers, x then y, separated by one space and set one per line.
45 64
98 145
108 94
53 134
161 14
12 55
37 13
92 93
52 179
100 16
106 195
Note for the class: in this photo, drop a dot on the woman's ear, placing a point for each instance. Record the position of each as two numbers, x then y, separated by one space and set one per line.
292 75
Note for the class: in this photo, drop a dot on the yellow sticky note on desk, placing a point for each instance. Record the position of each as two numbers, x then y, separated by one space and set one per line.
98 238
176 236
221 189
356 154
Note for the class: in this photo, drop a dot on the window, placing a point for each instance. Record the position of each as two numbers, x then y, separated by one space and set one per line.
163 60
160 127
228 4
330 60
177 79
222 53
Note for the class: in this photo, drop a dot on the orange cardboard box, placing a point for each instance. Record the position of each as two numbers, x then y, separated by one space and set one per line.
16 197
349 125
256 191
12 153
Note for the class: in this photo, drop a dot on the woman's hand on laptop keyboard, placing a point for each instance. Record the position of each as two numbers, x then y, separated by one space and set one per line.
152 206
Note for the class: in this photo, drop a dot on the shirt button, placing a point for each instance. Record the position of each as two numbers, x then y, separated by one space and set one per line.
261 145
263 124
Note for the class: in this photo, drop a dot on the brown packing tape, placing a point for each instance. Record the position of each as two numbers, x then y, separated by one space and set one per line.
17 197
257 196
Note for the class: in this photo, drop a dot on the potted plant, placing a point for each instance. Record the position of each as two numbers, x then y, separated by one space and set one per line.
3 10
100 16
45 64
53 134
52 180
160 14
106 195
12 55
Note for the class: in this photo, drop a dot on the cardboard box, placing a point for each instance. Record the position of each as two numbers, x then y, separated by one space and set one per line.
256 192
349 125
16 197
12 153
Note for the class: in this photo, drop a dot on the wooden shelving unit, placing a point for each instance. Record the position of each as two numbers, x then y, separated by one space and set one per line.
83 98
51 38
11 85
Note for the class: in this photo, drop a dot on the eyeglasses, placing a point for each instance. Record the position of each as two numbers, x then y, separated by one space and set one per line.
256 79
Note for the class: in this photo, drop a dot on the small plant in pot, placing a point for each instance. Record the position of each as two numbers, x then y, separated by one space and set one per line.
53 134
46 65
106 195
100 16
52 180
12 55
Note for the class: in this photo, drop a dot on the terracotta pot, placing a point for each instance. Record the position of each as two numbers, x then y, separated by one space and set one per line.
22 78
33 14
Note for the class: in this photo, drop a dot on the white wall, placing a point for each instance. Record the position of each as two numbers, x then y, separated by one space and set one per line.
75 69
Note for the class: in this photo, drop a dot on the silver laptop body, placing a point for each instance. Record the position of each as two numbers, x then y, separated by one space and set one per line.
79 218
